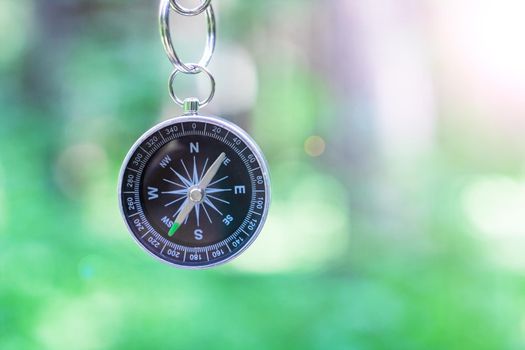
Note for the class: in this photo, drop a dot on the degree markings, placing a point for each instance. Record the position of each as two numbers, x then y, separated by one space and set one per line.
146 234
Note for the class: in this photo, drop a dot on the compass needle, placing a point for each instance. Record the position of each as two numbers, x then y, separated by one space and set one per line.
180 208
196 193
173 229
212 171
181 218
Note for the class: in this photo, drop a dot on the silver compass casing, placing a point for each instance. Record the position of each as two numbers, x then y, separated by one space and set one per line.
247 139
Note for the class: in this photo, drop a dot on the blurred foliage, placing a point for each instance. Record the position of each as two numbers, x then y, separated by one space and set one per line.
82 80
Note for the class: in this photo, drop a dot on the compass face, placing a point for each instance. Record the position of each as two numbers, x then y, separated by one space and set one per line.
194 191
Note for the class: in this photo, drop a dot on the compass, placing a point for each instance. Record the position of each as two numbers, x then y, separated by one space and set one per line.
194 191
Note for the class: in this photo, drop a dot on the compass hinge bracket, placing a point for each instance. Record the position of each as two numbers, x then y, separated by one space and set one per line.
191 106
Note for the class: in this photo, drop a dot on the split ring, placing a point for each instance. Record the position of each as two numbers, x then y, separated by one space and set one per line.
164 19
195 69
190 12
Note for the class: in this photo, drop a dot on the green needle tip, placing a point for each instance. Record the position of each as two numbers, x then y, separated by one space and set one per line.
173 229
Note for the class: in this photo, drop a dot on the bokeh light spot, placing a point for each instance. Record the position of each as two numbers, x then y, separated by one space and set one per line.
496 205
14 42
89 322
79 166
314 146
86 269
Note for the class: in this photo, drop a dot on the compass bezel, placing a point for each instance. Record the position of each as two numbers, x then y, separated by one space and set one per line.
249 142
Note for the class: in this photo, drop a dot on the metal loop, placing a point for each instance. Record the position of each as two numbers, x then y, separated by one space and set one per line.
190 12
164 17
195 69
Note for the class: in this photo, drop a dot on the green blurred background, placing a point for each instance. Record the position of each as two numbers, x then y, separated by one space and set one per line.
395 136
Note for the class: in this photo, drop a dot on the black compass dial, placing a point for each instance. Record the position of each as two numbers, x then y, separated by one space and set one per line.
194 191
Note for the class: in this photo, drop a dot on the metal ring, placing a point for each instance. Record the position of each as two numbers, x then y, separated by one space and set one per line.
196 69
190 12
164 18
